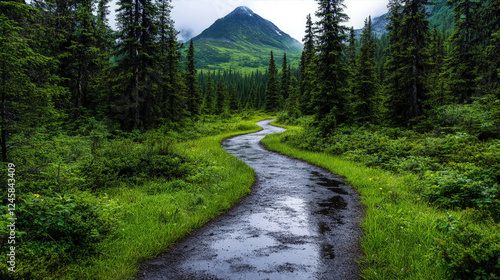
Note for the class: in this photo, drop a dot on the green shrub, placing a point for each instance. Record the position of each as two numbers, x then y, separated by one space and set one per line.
481 118
57 230
467 250
123 160
476 188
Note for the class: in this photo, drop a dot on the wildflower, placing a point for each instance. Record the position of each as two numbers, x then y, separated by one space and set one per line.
36 195
380 188
370 179
418 198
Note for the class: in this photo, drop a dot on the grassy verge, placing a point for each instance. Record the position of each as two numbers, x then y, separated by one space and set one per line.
98 204
158 214
399 228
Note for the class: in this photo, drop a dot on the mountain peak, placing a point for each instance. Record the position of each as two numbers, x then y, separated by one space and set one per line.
243 38
243 25
242 10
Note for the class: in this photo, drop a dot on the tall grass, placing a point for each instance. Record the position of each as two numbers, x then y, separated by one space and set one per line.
158 214
399 229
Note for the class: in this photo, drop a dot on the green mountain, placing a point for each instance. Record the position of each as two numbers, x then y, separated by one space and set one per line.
243 40
439 15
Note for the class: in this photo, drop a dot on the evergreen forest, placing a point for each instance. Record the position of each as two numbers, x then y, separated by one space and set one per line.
110 139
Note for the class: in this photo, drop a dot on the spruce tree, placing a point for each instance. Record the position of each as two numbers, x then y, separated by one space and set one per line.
193 93
28 85
306 69
285 78
489 81
351 49
351 66
462 62
129 66
436 82
233 102
272 92
365 87
408 60
292 103
220 98
331 97
209 96
87 54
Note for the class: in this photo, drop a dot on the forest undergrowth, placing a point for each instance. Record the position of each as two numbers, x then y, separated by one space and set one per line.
431 193
96 203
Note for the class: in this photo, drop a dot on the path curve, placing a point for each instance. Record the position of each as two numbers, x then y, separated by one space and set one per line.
300 222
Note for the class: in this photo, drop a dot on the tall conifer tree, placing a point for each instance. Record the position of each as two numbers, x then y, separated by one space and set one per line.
193 93
331 97
209 96
272 92
408 60
365 87
220 98
306 68
28 85
285 78
462 62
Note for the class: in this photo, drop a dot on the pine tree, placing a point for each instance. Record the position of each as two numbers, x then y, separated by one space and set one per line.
489 81
193 93
407 60
220 98
171 88
129 66
233 102
351 49
285 78
28 86
87 53
493 51
351 66
292 103
461 65
272 92
437 53
209 96
365 87
306 69
331 97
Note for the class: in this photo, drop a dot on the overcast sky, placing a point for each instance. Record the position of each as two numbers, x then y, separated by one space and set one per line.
193 16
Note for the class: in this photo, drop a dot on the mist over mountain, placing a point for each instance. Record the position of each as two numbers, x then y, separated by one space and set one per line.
243 40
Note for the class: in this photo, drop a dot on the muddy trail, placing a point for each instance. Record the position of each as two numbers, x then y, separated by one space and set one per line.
300 222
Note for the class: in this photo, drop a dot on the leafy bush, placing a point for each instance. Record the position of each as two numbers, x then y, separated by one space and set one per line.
481 118
467 250
56 230
476 188
125 160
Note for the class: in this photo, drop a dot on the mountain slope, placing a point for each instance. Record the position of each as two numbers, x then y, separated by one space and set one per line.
242 40
439 15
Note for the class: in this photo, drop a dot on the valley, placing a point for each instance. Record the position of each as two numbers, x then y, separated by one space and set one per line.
127 153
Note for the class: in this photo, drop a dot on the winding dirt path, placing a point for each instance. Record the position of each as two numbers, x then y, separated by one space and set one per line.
300 222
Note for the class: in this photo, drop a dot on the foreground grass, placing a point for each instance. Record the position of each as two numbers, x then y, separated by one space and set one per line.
158 214
398 227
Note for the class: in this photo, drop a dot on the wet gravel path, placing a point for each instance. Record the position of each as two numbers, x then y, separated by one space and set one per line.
300 222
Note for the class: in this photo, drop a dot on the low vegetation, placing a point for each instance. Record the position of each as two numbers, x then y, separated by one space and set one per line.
96 204
432 197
